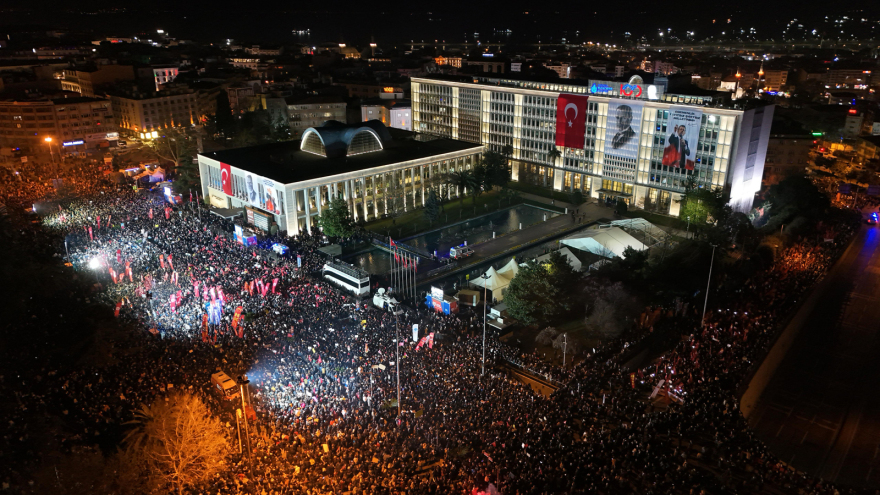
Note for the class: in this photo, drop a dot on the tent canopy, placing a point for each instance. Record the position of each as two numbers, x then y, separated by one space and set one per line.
567 254
609 243
498 280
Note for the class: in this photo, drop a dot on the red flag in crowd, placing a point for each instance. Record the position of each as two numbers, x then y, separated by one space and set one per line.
118 306
274 284
151 213
169 262
98 220
91 237
236 317
162 260
119 256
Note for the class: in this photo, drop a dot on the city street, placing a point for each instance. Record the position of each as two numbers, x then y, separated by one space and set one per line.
821 411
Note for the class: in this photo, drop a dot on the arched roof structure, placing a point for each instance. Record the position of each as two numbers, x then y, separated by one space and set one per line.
336 138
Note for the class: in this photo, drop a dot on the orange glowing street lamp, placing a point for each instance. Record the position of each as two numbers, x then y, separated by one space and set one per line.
48 141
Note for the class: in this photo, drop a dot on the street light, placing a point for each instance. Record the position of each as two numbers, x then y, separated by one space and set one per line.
48 141
485 305
709 281
242 381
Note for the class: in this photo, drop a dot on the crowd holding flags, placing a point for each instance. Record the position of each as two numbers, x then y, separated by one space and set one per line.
404 268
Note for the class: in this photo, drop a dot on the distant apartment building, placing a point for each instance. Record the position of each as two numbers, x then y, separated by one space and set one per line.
313 111
263 51
392 113
665 68
240 97
85 80
450 61
253 64
73 124
788 152
561 70
647 66
489 66
373 90
141 113
159 75
775 80
838 78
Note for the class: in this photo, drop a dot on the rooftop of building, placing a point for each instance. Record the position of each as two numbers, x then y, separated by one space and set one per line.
875 140
286 163
700 97
313 100
783 127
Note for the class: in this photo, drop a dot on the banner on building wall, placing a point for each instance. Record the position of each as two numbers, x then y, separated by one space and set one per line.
571 120
622 129
682 134
226 178
262 193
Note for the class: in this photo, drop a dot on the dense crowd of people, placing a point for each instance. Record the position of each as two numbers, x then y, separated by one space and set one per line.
327 416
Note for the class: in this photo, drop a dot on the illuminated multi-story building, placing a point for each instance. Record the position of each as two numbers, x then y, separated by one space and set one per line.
142 113
70 124
377 170
628 157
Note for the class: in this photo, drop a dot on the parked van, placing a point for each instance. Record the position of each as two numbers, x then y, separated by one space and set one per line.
224 385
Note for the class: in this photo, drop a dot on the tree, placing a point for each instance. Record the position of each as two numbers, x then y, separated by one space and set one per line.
336 220
177 146
394 197
608 307
553 154
702 204
180 441
542 293
546 336
494 170
577 197
462 181
432 206
223 120
796 196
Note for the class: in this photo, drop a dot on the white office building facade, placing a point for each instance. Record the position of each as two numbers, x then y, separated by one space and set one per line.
730 148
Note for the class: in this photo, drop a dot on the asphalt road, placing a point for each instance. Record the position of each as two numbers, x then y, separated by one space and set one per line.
821 411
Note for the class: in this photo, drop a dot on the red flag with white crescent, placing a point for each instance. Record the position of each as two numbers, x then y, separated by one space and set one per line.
226 178
571 120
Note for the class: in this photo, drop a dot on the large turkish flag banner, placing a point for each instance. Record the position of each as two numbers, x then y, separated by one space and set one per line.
226 178
571 120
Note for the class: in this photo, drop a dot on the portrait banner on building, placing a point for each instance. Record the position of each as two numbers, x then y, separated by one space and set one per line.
571 120
226 178
622 129
262 193
682 134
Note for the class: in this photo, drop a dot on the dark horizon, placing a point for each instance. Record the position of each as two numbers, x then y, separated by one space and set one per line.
452 22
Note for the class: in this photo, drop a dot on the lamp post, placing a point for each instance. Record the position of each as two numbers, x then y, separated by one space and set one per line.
397 361
708 281
242 381
564 348
48 141
485 305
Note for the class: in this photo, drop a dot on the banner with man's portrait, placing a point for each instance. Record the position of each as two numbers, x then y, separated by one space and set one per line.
262 193
622 129
682 134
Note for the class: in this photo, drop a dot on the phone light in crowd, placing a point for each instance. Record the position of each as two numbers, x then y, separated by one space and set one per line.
95 263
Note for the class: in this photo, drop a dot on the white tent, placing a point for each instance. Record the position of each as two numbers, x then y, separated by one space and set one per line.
495 281
567 254
609 243
510 269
